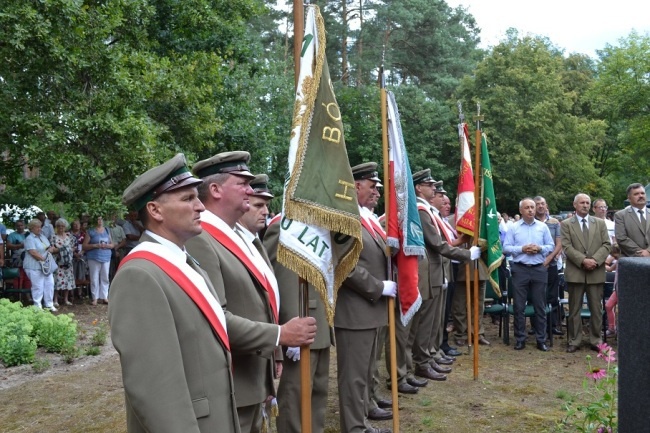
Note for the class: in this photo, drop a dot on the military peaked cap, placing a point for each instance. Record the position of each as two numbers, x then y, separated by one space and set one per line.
226 163
260 186
170 176
367 170
424 176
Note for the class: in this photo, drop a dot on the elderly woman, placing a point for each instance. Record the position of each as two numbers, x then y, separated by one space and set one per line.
38 266
64 275
98 246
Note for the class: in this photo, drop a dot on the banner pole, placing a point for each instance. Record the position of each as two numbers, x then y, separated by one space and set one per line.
477 203
391 301
305 353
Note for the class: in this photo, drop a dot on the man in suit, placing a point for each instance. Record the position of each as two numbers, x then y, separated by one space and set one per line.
361 310
243 280
170 334
586 245
631 224
289 390
529 241
432 275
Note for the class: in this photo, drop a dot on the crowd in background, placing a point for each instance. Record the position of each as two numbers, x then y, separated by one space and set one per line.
67 262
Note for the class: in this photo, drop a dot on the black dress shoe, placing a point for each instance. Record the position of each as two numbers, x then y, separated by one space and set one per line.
594 348
520 345
378 414
542 346
571 348
405 388
445 361
429 373
416 382
445 347
557 331
452 352
384 403
439 368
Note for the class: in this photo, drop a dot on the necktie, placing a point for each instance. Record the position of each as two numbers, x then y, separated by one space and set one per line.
191 261
585 233
642 215
257 243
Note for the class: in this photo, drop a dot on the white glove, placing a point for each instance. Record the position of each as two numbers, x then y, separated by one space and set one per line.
475 253
390 289
445 285
293 353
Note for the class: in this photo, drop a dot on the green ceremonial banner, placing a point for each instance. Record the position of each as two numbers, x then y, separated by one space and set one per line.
489 225
320 236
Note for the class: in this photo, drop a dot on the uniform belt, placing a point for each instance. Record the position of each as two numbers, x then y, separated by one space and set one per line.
527 265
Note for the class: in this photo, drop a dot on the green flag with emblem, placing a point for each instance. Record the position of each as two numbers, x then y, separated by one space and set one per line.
320 232
489 226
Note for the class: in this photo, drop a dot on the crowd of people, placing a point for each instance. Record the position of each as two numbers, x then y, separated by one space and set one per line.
64 261
205 318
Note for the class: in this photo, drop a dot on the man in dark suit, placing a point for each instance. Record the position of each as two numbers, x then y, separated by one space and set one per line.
289 390
170 334
360 311
243 280
631 224
586 245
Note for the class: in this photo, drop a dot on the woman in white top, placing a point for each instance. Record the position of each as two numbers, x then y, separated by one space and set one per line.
37 266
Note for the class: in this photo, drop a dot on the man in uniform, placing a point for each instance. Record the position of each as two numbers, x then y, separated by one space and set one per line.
243 280
289 390
361 310
431 278
586 244
631 224
166 321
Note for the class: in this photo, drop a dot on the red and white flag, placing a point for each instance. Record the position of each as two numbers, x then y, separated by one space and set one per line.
404 227
465 209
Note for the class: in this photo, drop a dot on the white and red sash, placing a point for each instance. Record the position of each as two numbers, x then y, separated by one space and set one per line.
187 279
427 209
233 243
371 224
442 228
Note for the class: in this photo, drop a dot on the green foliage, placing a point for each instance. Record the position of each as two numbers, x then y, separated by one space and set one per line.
17 345
22 330
93 350
100 335
40 365
70 354
600 389
55 333
535 139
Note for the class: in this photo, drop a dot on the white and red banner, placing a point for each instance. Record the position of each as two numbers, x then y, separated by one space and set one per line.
465 209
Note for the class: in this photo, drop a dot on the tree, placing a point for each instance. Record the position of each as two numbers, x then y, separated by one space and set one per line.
94 92
620 96
537 144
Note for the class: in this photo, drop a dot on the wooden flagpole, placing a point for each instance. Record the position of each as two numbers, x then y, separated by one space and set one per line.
468 291
305 353
391 301
477 231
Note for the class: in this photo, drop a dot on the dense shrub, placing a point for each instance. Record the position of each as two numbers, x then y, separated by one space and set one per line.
23 329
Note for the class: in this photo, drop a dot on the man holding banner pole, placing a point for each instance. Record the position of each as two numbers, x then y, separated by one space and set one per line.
361 310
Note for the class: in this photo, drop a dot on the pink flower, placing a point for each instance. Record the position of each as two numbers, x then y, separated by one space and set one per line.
597 373
606 352
604 430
